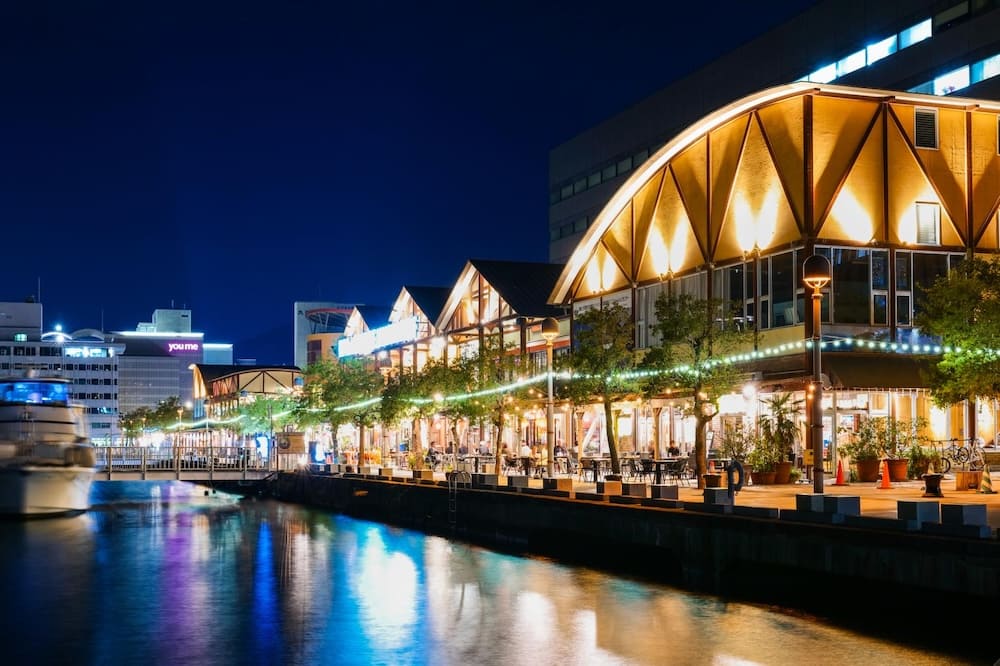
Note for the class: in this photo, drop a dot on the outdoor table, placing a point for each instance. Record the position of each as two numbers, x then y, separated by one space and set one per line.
661 465
476 457
526 463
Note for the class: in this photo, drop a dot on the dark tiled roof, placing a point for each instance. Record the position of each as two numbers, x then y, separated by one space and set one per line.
524 285
430 300
375 316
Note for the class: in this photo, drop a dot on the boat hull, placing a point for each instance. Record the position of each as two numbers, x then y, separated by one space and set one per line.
40 490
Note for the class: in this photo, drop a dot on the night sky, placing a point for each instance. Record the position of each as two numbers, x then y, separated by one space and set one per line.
236 157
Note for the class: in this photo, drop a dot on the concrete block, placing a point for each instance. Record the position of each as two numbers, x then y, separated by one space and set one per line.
717 496
635 489
810 516
558 483
701 507
849 505
385 471
517 481
369 470
423 474
961 531
963 514
625 499
663 491
593 497
609 487
809 502
556 493
527 490
873 523
922 512
756 512
484 480
663 503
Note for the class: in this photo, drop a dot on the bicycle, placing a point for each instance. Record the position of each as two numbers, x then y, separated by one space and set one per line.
971 455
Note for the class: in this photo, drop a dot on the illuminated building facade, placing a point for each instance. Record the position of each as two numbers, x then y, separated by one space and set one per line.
940 47
894 188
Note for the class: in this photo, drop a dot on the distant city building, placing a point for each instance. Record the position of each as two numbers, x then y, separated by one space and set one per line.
924 46
85 358
158 358
318 326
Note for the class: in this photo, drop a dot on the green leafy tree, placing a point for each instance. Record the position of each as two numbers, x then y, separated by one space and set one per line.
267 413
602 363
695 336
963 310
342 392
133 423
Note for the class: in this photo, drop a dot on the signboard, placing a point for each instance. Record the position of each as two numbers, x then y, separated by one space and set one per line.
396 333
183 347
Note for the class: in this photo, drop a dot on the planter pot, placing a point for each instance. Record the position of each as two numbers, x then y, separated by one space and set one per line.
867 470
762 478
783 472
920 469
897 469
712 480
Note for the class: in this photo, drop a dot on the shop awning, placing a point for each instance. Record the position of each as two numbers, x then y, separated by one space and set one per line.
875 371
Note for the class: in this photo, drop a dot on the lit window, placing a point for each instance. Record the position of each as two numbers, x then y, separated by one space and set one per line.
882 49
923 88
851 63
914 34
985 69
952 81
824 74
20 337
928 223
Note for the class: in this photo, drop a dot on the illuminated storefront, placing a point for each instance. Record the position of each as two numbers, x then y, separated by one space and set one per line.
893 188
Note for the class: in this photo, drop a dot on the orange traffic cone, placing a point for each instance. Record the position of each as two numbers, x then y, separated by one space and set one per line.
840 474
711 467
884 482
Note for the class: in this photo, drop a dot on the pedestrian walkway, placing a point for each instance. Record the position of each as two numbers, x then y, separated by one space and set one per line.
875 502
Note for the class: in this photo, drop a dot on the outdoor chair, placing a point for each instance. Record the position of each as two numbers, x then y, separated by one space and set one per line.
588 466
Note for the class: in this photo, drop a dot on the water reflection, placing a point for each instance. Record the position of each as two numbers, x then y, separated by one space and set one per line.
166 574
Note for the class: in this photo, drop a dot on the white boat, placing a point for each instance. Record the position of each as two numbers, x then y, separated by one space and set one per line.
46 459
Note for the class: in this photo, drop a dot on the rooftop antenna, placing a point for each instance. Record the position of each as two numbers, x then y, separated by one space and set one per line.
39 289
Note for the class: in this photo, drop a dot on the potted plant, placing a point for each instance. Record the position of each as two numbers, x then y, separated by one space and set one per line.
737 442
864 450
920 459
762 462
781 433
897 437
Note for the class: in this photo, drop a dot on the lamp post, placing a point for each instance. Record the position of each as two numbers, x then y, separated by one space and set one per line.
550 331
816 273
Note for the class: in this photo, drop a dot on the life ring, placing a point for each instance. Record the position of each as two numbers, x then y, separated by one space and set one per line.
284 443
734 466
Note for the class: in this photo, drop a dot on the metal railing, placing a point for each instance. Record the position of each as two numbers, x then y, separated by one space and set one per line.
183 462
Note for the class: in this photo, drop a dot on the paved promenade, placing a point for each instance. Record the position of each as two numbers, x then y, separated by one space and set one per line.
875 502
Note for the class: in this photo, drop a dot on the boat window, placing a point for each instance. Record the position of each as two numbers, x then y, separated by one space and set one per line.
35 393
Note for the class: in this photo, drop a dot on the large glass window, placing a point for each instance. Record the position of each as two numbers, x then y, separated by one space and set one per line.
928 223
954 80
851 286
915 33
783 290
881 49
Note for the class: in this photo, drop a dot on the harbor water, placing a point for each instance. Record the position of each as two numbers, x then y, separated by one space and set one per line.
171 573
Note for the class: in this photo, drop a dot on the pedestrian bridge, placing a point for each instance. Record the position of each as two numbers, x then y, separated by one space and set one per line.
187 463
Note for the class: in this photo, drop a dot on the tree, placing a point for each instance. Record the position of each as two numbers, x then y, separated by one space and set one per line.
963 310
265 413
696 335
601 363
343 392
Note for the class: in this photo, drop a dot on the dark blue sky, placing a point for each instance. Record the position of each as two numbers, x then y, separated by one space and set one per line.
237 157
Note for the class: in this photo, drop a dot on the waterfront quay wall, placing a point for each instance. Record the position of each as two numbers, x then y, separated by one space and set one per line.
768 559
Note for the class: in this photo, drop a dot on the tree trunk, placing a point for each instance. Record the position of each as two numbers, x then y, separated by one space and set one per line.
415 446
361 445
700 457
609 429
498 425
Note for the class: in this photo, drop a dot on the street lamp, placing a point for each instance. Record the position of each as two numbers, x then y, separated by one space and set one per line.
550 331
816 273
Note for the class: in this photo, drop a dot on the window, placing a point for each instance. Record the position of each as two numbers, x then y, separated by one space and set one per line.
640 157
624 165
985 69
580 225
925 128
566 192
928 223
609 172
851 286
881 49
783 290
954 80
851 63
594 179
915 33
824 74
579 186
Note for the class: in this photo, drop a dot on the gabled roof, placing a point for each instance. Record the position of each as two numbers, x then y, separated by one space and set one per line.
524 285
212 372
375 316
430 300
